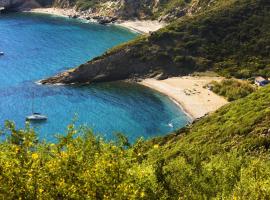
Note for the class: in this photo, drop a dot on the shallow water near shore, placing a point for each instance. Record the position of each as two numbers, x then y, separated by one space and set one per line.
37 46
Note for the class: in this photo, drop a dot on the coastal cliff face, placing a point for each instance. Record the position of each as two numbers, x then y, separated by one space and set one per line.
110 10
230 40
162 10
21 5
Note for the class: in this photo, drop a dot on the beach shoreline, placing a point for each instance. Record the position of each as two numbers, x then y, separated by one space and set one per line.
139 26
189 94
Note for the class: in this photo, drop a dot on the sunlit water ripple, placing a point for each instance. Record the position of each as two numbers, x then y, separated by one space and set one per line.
37 46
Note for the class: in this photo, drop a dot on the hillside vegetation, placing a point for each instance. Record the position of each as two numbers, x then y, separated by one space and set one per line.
222 156
232 39
142 9
232 89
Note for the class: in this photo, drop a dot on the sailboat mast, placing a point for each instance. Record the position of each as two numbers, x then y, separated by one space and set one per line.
33 102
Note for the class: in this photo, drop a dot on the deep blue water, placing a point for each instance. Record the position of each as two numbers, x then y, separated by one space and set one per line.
37 46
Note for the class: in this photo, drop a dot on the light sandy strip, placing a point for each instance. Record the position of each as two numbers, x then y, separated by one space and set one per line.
140 26
190 93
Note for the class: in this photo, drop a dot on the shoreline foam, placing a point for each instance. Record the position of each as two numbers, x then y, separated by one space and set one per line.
189 93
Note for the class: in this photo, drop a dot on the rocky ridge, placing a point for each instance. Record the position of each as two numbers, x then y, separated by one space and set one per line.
23 5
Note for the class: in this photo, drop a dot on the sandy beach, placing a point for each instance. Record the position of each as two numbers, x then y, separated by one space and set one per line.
54 11
189 93
140 26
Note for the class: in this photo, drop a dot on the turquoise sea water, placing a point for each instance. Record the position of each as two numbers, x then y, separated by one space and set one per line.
37 46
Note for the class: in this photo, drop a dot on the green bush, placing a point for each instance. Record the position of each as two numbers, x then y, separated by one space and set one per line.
232 89
222 156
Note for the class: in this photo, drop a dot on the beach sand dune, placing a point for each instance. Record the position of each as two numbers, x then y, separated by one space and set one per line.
190 93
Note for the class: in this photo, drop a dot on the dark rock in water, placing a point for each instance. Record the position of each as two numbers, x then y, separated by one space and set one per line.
75 16
104 19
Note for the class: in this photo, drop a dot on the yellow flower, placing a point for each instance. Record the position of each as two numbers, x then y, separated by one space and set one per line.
50 165
62 182
40 190
64 154
17 149
156 146
34 156
142 194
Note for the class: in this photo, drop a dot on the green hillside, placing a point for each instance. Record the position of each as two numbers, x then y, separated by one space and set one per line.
232 89
149 9
232 39
222 156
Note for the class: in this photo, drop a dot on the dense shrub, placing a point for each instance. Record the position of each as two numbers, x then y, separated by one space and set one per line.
232 89
222 156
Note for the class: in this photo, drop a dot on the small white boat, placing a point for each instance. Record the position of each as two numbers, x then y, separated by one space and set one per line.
36 117
2 53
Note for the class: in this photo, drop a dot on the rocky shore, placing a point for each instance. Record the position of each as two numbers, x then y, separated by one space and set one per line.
140 26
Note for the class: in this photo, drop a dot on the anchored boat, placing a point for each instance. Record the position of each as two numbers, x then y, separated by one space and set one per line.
36 116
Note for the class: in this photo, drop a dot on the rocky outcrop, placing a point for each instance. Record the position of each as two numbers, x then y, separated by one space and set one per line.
122 64
117 66
22 5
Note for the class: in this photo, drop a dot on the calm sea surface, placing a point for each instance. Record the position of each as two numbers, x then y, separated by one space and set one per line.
37 46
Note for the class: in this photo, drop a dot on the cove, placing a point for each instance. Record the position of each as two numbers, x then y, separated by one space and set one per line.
37 46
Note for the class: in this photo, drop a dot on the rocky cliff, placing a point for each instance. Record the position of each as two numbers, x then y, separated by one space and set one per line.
20 5
166 10
162 10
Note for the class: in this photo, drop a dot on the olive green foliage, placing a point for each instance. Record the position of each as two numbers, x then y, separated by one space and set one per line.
222 156
147 9
232 39
167 6
175 7
84 5
45 2
79 4
232 89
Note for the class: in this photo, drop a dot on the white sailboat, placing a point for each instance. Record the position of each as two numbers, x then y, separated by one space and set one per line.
36 116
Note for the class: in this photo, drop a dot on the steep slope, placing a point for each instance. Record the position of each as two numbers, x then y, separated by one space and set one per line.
22 5
222 156
142 9
232 39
